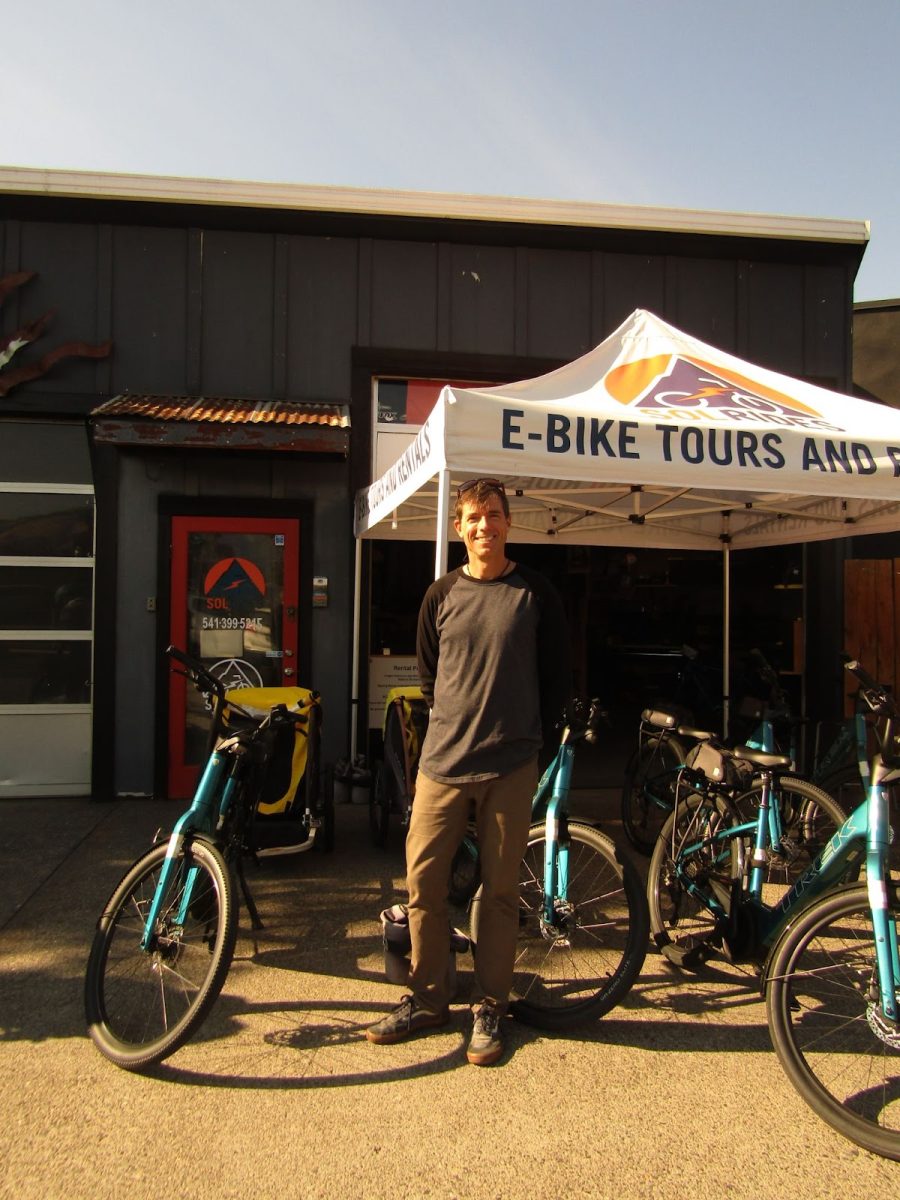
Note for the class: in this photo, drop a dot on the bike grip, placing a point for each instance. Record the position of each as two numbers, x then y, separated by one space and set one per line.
856 668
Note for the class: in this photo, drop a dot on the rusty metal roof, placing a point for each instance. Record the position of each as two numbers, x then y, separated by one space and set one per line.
222 423
225 410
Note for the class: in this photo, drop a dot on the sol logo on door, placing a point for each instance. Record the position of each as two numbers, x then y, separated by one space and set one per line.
233 584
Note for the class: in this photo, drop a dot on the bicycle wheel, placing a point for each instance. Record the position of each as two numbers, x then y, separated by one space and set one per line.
648 794
689 890
845 786
141 1005
379 805
821 1003
583 966
809 817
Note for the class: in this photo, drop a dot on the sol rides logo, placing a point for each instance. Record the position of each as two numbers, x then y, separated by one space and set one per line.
233 585
676 387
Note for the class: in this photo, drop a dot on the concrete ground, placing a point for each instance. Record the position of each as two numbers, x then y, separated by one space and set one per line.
675 1093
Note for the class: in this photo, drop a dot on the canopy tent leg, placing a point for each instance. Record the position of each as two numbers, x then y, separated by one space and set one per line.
357 606
726 638
441 548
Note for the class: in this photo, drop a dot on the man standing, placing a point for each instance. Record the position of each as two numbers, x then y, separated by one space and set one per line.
494 667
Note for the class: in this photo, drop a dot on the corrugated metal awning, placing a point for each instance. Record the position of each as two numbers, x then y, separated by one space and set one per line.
225 423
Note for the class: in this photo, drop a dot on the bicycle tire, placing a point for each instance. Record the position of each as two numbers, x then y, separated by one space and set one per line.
819 1009
142 1005
465 873
845 786
683 926
379 806
643 815
589 968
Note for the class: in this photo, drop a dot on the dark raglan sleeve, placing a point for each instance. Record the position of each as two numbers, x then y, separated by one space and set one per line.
428 641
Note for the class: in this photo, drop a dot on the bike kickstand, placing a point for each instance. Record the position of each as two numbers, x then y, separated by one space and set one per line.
255 920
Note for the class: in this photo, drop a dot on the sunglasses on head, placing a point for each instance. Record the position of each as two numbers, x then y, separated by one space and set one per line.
473 483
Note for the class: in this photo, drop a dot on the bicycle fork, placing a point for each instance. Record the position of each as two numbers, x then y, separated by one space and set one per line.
884 922
196 818
556 845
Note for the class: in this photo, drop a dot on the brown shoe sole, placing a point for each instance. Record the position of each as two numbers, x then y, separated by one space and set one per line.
486 1059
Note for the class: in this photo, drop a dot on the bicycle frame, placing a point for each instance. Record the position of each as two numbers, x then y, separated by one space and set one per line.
554 783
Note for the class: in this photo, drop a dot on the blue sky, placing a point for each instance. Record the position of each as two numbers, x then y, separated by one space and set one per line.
785 107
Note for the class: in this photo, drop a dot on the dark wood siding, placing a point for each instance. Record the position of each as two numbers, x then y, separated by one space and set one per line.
774 316
704 300
149 310
404 295
237 314
65 259
631 281
482 298
322 316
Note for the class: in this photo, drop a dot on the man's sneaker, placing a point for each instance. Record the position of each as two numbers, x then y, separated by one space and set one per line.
485 1044
408 1017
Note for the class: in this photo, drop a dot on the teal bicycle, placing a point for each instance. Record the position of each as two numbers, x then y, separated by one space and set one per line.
166 937
583 921
653 773
832 980
827 944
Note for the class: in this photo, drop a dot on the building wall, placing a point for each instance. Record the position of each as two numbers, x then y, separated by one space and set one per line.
876 351
265 313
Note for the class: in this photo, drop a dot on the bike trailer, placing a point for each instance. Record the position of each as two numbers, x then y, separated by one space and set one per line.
290 772
404 729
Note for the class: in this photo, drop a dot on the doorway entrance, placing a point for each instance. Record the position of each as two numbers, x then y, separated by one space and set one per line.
234 604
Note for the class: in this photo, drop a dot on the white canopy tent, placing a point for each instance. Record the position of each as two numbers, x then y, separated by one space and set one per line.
653 439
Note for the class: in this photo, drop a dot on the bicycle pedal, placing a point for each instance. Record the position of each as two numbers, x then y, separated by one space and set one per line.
690 958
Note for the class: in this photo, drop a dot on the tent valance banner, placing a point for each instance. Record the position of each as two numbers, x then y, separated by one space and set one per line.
653 438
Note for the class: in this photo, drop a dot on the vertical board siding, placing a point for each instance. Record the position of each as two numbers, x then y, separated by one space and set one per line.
774 298
149 310
237 314
64 258
482 300
871 618
632 281
322 316
704 302
404 295
559 303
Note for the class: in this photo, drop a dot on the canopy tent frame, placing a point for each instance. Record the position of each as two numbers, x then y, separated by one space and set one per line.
667 420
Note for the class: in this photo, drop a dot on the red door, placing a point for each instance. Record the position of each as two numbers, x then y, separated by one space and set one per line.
234 596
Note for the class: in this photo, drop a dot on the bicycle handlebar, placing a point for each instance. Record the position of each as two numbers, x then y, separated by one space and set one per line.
201 678
582 719
876 695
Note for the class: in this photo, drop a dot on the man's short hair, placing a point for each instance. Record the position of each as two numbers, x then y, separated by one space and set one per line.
479 492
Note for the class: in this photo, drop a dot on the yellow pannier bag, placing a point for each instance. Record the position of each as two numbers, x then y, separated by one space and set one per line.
285 773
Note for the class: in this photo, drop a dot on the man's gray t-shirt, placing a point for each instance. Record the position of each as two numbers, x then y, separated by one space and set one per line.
493 660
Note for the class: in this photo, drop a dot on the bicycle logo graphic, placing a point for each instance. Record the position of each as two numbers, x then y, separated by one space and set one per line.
236 673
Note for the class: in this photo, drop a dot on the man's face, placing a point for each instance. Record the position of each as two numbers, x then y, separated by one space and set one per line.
484 529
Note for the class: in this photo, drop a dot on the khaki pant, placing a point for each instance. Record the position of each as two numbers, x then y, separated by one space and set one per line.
440 814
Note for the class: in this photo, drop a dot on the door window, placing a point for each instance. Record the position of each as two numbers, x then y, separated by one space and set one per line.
234 597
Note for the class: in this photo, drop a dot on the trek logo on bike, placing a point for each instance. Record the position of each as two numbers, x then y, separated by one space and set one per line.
678 387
